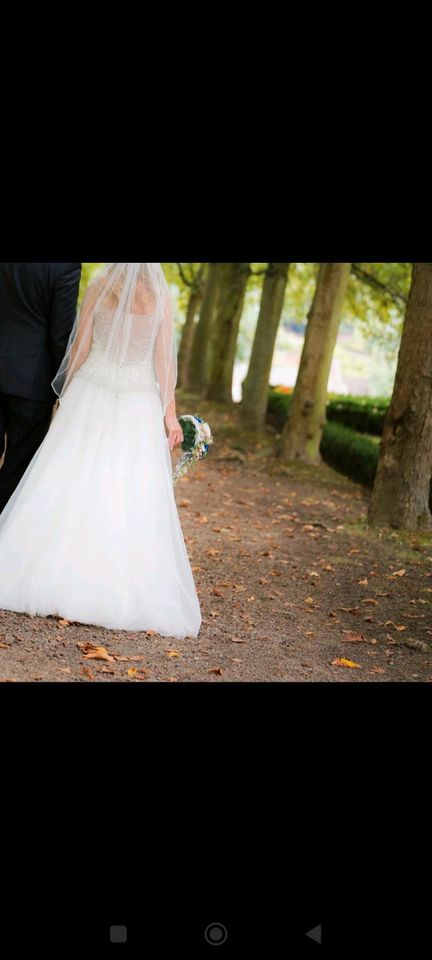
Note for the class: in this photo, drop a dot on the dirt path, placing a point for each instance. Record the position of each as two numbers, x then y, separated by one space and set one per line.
290 580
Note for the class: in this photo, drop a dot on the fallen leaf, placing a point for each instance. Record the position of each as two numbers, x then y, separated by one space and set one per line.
64 623
389 623
91 652
141 674
363 583
238 640
354 637
217 670
341 662
309 600
172 653
378 670
398 573
349 609
371 600
4 646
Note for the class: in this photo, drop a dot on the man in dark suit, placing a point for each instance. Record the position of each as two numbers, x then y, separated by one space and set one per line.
38 303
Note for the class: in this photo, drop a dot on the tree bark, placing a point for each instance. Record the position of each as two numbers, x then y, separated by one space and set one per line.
301 438
234 281
400 497
256 384
200 354
189 330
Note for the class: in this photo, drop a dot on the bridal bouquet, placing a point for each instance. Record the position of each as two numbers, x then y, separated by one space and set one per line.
197 440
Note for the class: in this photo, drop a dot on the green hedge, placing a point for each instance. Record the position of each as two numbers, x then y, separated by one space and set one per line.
345 445
278 408
351 453
362 414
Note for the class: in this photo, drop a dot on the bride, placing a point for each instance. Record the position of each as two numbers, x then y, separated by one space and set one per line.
92 532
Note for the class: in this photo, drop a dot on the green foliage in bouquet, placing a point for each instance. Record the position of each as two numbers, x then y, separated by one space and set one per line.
196 443
189 433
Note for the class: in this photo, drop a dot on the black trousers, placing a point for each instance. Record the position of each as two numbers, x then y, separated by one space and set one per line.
23 426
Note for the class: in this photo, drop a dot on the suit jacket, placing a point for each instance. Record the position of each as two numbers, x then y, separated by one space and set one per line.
38 303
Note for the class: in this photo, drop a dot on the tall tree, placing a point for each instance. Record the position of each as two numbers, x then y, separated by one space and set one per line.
200 353
301 438
255 386
234 280
400 497
196 288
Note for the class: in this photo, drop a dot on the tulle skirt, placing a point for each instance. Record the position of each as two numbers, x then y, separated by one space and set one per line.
92 533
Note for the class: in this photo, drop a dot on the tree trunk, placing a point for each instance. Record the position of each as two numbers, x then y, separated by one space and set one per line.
301 438
256 385
400 497
200 355
189 330
234 280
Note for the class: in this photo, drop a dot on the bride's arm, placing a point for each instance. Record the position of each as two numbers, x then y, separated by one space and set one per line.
165 362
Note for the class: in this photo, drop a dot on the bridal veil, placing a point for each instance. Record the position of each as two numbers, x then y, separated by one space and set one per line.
134 301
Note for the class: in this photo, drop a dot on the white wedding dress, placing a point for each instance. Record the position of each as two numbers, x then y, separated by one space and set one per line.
92 533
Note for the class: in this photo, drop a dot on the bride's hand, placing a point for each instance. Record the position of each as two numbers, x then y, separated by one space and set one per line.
175 432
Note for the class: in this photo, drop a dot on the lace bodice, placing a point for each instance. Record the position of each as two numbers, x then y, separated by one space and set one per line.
133 371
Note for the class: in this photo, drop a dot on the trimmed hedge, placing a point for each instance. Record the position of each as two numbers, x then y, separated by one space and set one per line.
278 408
347 450
351 453
345 445
363 414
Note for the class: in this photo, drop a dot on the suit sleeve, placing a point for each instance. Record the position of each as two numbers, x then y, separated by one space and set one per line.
63 309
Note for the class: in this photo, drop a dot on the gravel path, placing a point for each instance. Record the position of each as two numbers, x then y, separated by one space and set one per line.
293 587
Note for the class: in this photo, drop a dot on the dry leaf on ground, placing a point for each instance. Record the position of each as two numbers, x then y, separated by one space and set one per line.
92 652
341 662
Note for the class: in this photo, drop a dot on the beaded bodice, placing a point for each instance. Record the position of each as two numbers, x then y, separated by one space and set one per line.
134 370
